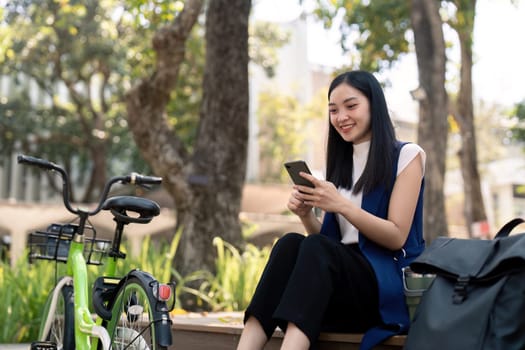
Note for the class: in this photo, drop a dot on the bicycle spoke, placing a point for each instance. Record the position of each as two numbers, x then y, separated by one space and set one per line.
134 329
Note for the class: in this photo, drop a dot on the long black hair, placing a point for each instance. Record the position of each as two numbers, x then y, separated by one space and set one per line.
339 153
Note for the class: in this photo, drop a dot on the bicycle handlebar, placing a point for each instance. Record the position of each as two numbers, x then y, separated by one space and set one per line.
138 179
133 179
41 163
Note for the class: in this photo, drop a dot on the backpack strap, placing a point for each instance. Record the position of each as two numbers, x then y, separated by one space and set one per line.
509 226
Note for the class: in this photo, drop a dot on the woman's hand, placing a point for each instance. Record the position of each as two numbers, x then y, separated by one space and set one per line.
297 206
323 195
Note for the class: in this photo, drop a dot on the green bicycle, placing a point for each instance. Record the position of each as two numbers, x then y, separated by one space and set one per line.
132 312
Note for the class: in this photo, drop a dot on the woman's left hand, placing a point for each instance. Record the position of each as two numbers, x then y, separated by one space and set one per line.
323 195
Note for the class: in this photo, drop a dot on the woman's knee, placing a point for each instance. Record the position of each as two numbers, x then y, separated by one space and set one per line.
318 247
315 242
285 250
289 240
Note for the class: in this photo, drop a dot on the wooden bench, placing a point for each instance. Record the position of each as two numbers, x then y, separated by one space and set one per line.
221 331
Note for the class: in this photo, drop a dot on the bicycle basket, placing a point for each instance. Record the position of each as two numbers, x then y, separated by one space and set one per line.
54 242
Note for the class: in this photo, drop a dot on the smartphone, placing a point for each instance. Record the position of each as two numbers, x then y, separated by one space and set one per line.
294 168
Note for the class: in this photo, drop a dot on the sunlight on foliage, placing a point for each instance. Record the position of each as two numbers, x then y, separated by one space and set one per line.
286 128
236 277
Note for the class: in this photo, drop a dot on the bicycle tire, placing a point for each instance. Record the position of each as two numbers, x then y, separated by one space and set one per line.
131 325
62 331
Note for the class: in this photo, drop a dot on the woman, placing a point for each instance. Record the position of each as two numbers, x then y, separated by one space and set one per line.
348 277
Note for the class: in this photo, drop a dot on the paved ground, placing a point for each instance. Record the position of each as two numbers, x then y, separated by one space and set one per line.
15 346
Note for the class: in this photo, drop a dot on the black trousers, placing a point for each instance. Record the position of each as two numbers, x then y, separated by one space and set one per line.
319 285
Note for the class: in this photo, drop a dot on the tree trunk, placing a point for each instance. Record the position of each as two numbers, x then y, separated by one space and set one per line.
206 185
146 104
433 127
222 138
474 209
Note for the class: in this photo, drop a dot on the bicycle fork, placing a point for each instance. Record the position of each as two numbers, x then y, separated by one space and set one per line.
85 327
92 329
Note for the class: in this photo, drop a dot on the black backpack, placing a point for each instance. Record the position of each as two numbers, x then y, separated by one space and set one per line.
477 299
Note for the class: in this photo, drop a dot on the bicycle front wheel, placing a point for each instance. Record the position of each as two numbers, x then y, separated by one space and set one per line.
132 323
58 319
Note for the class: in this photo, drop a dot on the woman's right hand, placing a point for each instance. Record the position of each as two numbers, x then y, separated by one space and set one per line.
296 205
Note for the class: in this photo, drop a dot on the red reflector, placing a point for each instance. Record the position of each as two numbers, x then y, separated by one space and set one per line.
164 292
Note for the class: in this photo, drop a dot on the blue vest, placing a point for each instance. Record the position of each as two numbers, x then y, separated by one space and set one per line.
387 264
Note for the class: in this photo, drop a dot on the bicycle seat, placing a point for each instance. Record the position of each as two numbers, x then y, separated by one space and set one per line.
120 206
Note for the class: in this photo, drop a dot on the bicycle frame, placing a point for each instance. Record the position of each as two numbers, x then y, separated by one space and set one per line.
88 330
85 326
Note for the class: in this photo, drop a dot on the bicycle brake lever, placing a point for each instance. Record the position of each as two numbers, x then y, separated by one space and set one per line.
147 187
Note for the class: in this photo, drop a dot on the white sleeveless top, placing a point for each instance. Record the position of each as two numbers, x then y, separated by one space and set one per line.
349 234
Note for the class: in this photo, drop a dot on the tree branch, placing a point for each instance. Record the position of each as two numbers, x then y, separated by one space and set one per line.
146 102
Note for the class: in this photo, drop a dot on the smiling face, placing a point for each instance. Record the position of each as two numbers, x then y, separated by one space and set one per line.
350 114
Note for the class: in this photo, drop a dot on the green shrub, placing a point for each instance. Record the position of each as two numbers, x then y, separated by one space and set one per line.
236 277
24 290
